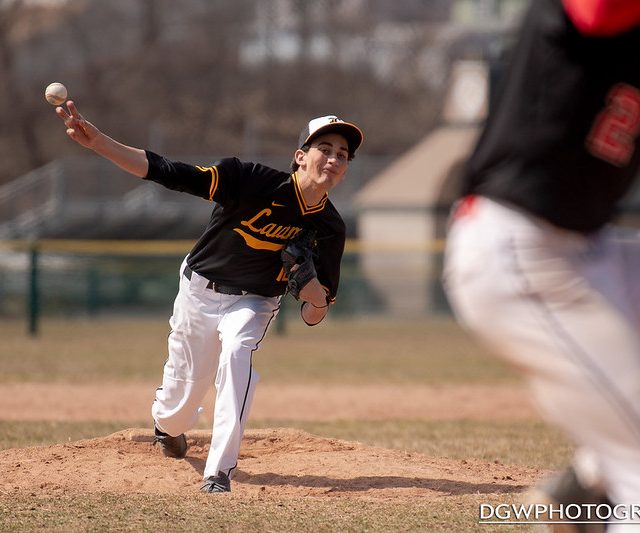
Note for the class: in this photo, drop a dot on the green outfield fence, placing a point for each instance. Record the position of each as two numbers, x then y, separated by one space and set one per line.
71 278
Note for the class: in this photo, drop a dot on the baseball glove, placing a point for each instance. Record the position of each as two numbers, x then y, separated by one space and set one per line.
297 259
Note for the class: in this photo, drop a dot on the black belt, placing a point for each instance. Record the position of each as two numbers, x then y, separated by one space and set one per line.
222 289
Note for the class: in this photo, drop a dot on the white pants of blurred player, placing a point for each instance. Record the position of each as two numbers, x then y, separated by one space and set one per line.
212 341
564 309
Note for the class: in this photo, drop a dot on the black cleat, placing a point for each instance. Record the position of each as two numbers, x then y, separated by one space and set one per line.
174 447
219 483
565 489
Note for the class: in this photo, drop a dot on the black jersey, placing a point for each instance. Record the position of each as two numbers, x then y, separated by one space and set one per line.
256 209
562 142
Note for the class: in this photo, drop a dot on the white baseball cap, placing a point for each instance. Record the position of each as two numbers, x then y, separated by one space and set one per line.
331 124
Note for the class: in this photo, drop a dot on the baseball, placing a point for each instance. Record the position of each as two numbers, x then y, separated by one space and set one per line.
55 93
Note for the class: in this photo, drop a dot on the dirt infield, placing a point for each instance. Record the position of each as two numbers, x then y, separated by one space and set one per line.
273 462
132 401
279 462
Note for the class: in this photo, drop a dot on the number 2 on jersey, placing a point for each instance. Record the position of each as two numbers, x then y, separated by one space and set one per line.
614 132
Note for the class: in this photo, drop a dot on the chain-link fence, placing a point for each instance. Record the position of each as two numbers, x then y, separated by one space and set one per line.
108 278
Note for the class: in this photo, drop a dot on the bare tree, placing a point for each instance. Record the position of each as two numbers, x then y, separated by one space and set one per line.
183 81
19 132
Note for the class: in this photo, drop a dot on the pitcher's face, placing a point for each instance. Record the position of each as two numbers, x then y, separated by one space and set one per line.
326 161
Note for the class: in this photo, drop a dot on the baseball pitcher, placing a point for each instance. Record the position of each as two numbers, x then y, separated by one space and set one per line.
270 232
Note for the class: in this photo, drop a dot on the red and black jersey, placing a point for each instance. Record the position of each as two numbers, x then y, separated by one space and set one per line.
562 142
256 209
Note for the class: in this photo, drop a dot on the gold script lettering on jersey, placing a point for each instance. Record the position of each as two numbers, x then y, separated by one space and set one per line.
259 226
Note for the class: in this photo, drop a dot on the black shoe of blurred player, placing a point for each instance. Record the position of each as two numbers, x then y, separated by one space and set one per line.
174 447
565 489
219 483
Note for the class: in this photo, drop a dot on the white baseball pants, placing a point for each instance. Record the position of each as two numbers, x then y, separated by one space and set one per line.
565 309
212 340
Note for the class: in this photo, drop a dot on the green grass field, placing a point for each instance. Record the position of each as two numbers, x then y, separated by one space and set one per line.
360 351
338 351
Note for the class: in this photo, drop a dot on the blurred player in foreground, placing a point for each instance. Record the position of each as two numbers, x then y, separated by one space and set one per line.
533 266
233 279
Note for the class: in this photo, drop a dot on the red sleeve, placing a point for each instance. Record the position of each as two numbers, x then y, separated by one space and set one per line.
603 17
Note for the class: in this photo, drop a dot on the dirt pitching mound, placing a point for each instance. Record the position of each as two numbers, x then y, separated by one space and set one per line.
276 462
